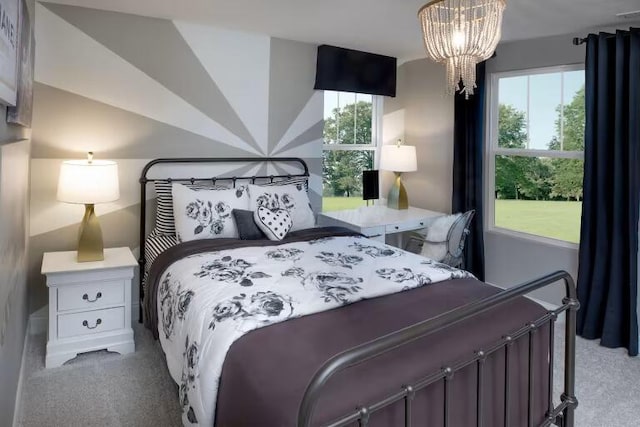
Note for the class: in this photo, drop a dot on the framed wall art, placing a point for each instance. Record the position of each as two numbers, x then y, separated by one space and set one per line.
9 46
22 112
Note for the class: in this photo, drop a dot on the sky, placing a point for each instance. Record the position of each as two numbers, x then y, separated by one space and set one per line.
545 94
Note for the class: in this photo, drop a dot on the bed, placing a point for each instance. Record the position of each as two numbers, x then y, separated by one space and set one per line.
326 327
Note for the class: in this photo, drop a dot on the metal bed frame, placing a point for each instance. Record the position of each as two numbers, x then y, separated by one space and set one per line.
561 415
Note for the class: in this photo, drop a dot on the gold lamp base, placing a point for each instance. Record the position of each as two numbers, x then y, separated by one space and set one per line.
397 198
90 245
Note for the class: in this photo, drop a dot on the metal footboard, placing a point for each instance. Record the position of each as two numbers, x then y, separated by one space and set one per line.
561 415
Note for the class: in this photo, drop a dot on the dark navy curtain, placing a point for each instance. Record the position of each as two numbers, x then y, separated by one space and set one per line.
608 273
468 152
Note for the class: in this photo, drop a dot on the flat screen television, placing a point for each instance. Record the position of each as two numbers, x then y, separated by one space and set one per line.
349 70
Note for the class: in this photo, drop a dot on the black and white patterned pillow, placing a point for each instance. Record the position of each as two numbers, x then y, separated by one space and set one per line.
165 222
275 224
206 214
291 197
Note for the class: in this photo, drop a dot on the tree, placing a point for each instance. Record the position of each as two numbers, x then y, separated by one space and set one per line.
537 178
351 125
540 178
568 173
518 176
512 132
342 169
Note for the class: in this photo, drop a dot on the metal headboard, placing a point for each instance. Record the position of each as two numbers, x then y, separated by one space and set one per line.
201 160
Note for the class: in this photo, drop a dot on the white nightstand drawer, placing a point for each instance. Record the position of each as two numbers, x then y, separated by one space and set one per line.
91 296
90 322
406 226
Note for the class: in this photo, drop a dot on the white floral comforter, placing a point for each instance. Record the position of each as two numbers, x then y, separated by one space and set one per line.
209 300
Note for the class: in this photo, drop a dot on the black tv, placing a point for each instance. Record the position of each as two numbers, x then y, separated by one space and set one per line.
349 70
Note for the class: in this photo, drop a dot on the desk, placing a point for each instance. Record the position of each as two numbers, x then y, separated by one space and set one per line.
376 222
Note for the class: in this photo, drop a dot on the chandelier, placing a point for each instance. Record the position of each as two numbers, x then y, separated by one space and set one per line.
460 34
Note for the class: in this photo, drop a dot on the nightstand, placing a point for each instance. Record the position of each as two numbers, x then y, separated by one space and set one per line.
89 304
377 222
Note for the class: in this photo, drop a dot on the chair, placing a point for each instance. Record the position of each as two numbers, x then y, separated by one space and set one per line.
453 243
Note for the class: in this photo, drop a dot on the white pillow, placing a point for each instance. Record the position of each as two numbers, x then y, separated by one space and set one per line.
206 214
292 198
437 231
274 224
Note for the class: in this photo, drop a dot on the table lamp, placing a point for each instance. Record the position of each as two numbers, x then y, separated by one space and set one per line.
89 182
398 158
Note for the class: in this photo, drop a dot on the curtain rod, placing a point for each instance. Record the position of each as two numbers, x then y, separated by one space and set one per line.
577 41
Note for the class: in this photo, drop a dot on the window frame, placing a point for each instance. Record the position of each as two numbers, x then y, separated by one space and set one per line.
492 150
376 133
377 111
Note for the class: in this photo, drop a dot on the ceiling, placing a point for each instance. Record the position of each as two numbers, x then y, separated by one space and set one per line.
382 26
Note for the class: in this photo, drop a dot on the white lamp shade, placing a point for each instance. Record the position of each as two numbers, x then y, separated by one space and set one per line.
87 182
398 158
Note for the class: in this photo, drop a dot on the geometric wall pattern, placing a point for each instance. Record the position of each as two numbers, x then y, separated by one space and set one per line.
134 88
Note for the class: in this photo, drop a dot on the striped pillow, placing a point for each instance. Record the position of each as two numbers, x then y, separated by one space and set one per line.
155 244
165 222
298 181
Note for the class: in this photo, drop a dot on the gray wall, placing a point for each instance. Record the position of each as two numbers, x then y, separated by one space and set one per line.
422 115
14 228
511 260
134 88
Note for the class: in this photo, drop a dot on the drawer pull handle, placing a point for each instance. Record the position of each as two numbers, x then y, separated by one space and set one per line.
421 223
86 324
86 297
397 227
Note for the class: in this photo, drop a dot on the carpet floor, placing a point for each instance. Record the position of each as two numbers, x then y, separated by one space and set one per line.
107 389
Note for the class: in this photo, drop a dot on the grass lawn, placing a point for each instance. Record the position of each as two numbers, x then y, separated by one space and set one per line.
558 220
340 203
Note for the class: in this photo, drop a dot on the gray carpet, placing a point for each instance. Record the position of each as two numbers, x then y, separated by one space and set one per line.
100 388
106 389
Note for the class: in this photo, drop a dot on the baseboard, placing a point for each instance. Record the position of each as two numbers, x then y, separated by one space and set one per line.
17 409
39 321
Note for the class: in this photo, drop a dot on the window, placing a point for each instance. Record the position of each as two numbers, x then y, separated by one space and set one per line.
350 144
535 156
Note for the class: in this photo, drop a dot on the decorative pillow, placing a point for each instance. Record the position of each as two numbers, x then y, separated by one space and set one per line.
437 232
206 214
274 223
247 227
291 197
164 201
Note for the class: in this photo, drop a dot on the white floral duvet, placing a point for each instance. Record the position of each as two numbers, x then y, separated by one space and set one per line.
209 300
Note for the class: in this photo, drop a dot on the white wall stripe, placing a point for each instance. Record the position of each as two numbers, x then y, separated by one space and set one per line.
308 149
309 116
239 64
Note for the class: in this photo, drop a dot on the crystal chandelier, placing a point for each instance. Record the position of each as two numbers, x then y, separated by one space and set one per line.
460 34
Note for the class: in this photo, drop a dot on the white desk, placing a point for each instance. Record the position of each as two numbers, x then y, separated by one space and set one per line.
376 222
